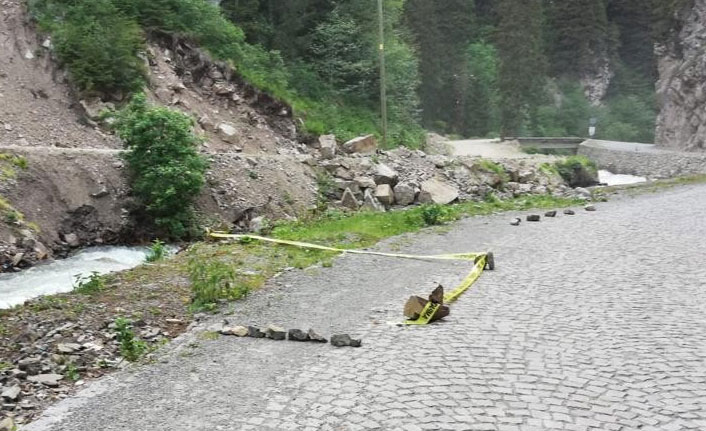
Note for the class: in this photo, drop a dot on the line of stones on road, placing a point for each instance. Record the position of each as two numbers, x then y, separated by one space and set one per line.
549 214
278 333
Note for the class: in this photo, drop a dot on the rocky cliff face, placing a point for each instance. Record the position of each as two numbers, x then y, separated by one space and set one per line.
682 83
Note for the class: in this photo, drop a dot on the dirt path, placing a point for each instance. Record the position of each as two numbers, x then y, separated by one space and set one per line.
582 326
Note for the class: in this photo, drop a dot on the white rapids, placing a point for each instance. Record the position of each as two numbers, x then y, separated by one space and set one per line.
58 276
611 179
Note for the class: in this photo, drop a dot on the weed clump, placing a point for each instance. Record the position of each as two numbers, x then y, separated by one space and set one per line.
578 171
131 347
213 281
157 252
90 284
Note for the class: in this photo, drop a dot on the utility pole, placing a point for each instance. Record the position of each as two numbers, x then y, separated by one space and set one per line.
383 86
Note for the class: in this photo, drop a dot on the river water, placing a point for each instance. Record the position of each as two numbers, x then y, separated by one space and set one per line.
611 179
58 276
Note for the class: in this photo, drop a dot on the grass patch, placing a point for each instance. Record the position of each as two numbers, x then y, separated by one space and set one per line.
366 228
157 252
131 347
90 284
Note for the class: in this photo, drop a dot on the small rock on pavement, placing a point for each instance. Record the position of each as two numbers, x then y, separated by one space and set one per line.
569 212
275 332
298 335
7 424
550 214
51 380
255 332
343 340
516 221
590 208
313 336
238 331
533 217
11 393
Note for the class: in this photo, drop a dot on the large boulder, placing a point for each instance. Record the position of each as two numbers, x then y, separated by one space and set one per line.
227 132
362 144
384 174
327 146
365 182
371 203
94 107
385 195
349 200
405 194
434 191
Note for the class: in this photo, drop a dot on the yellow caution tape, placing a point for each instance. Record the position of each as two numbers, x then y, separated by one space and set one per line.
430 308
453 256
480 259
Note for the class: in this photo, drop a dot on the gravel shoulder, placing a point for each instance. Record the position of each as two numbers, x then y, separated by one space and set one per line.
582 324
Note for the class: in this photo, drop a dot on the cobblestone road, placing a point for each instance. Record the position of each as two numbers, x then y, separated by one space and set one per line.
596 321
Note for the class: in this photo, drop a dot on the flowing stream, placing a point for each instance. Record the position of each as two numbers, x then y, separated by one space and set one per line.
59 275
611 179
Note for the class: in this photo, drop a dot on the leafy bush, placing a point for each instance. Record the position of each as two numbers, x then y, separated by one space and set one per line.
157 251
578 171
98 44
434 214
88 285
213 281
167 172
13 216
131 347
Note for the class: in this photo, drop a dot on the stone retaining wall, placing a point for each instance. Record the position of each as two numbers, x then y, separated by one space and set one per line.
642 159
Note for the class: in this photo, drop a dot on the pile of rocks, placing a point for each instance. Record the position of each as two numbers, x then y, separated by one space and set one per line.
365 177
21 251
55 360
274 332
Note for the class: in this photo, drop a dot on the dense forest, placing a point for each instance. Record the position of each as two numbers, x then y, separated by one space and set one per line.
470 68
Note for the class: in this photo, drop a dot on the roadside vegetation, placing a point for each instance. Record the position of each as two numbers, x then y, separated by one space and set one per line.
9 164
166 169
577 171
458 67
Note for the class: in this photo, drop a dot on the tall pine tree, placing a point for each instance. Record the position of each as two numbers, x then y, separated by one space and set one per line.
581 36
522 64
442 32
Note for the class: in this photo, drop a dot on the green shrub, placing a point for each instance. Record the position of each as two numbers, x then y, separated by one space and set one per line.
434 214
96 42
13 216
213 281
167 172
90 284
157 251
131 347
577 171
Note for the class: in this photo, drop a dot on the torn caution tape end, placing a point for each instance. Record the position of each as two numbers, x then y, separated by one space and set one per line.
432 309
